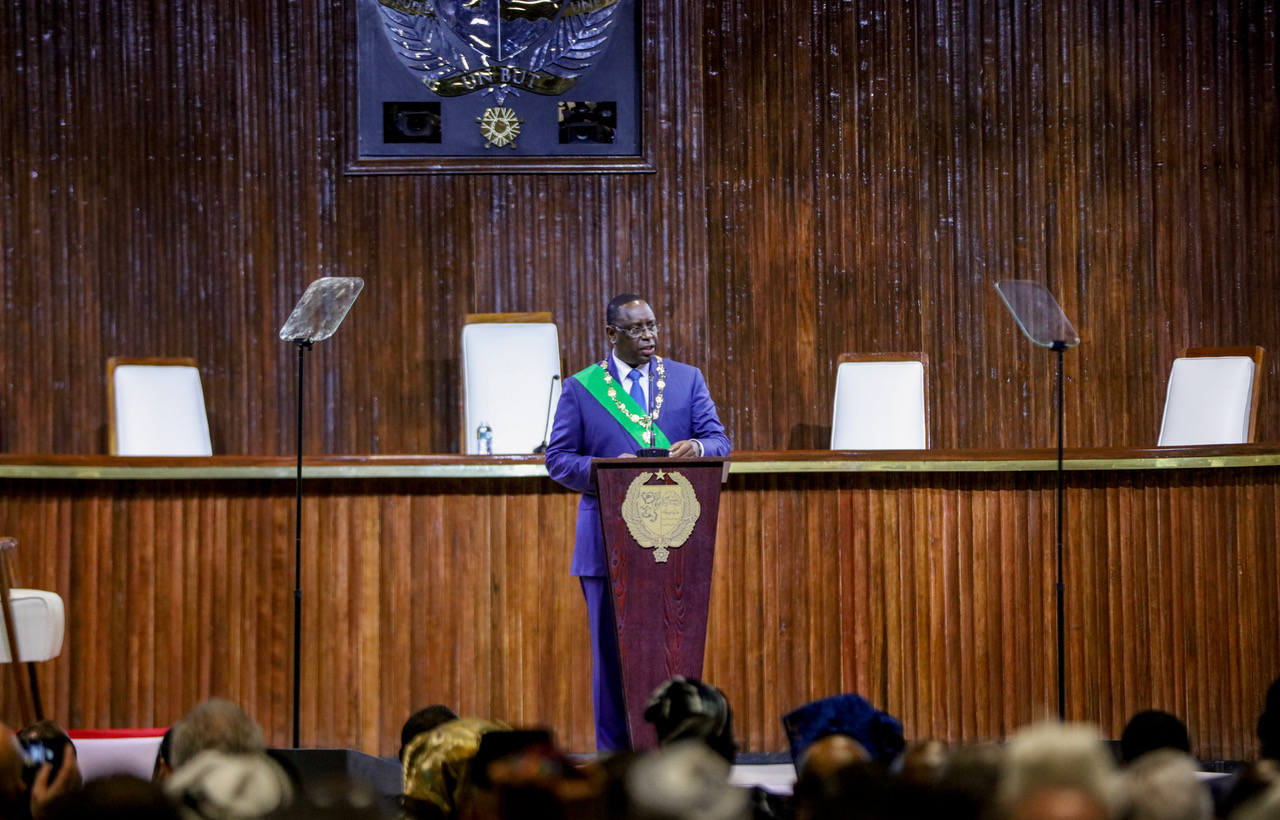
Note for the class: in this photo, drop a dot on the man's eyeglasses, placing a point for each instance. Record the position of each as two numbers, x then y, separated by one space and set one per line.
637 331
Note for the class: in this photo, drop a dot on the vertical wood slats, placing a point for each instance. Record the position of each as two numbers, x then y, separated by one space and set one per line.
831 177
931 594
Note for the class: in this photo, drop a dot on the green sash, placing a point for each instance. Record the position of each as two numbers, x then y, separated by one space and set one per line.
592 378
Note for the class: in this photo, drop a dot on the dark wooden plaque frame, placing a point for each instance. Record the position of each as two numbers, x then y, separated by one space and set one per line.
660 609
356 163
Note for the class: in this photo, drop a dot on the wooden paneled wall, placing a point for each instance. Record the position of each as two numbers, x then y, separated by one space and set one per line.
830 177
931 594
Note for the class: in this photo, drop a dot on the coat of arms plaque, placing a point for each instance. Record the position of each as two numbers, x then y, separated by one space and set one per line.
475 80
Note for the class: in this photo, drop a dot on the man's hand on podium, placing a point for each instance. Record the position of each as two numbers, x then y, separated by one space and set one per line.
685 449
681 449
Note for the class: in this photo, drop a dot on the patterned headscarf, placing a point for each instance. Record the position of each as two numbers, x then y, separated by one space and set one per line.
437 763
688 709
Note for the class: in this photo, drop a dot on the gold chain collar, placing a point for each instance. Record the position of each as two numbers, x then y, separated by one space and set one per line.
646 420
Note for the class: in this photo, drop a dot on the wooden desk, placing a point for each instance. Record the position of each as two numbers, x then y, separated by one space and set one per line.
924 583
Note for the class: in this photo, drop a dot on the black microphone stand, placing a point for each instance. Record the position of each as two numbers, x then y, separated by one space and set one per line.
303 346
1060 347
315 318
1042 321
542 448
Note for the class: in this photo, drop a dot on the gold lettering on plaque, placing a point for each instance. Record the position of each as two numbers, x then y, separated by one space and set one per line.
662 516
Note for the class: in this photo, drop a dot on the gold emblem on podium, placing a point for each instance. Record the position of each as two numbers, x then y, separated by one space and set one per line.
499 126
661 516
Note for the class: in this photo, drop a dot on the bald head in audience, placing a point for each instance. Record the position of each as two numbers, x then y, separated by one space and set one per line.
830 754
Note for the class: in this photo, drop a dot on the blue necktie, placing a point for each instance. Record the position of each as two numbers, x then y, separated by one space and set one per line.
637 391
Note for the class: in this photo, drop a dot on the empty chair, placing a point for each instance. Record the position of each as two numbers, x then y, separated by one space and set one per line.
33 623
510 374
880 402
156 408
1212 397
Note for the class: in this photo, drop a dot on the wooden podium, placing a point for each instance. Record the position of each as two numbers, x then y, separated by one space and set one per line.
659 520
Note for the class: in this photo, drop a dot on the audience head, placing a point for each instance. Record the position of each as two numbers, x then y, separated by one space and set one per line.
858 790
970 779
217 785
1262 806
12 788
1150 730
1269 722
922 763
1055 771
684 780
1251 781
829 754
424 720
879 732
687 709
215 724
523 774
117 797
164 758
1162 785
1058 803
437 766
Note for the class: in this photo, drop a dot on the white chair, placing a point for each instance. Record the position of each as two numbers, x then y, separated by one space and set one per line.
510 373
33 623
881 402
1212 397
156 408
105 756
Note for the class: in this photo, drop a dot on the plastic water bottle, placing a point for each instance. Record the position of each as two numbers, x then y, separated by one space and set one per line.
484 439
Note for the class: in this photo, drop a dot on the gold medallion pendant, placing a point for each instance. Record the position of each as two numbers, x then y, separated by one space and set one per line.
499 126
661 516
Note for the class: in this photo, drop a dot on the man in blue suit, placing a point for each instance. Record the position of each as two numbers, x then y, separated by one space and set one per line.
632 399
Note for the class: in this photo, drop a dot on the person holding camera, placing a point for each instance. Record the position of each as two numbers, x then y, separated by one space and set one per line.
37 768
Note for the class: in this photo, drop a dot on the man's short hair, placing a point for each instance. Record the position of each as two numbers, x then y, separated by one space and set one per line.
1150 730
1269 722
215 724
615 307
424 720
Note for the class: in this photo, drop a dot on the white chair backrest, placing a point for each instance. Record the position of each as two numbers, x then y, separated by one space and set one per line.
1210 401
104 756
880 405
507 370
158 410
40 621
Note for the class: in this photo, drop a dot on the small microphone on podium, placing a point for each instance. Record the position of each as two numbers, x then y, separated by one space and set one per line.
542 448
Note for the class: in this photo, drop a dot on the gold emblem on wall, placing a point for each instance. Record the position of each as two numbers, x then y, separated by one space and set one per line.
661 516
499 126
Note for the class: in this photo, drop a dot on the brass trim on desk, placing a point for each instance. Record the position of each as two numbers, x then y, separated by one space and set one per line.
1007 465
272 473
273 468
